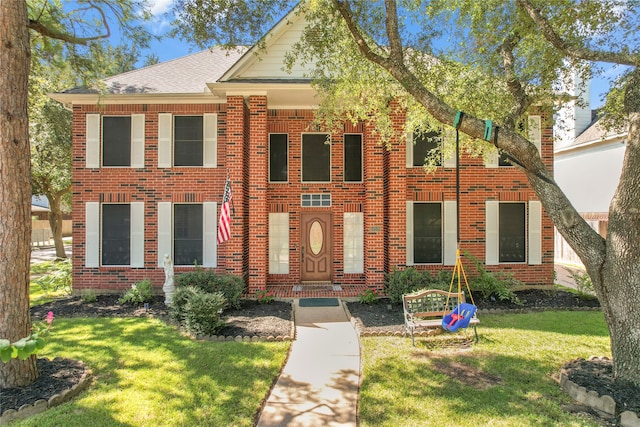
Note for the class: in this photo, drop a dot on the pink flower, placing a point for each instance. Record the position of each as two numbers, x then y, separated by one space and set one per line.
50 318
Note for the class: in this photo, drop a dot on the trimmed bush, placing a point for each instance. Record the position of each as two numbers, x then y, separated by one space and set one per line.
232 287
199 311
409 280
493 285
140 292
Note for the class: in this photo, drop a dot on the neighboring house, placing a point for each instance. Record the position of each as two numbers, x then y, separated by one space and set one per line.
151 157
587 165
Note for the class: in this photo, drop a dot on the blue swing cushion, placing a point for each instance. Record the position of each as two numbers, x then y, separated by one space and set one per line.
459 317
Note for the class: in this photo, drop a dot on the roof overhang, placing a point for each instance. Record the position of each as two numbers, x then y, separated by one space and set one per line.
71 99
280 95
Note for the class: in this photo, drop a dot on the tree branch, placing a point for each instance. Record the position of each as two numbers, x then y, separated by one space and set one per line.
393 34
576 52
46 31
522 100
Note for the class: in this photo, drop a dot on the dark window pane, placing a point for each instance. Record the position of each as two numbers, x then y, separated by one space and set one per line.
116 141
427 233
116 234
353 158
512 232
187 142
187 234
278 162
316 158
423 144
504 160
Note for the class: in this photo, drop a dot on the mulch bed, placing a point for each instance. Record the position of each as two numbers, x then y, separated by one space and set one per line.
275 319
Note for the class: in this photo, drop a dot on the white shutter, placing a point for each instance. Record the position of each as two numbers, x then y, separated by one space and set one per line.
137 140
534 131
209 239
92 136
409 213
450 233
92 235
449 148
410 150
164 232
535 232
491 222
165 133
137 234
492 159
210 140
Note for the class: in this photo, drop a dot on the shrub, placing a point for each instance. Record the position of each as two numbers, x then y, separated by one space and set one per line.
58 278
140 292
493 285
89 295
264 297
228 285
409 280
199 311
368 296
584 285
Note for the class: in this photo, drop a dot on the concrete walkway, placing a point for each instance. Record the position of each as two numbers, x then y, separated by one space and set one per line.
319 383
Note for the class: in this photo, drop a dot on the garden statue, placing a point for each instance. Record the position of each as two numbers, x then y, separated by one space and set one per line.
168 286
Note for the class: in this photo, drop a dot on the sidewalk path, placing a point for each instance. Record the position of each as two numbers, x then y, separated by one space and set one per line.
319 383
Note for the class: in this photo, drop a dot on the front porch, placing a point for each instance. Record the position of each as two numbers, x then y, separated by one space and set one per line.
316 290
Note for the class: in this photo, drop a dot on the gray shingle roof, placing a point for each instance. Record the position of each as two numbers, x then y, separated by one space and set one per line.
595 132
187 74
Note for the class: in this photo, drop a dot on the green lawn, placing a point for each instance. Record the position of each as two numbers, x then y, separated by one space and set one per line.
509 373
147 374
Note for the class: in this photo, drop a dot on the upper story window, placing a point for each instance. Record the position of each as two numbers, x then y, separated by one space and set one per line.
316 157
114 141
187 140
426 145
278 157
352 158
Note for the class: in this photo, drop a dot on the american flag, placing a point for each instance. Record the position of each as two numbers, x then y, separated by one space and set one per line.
224 225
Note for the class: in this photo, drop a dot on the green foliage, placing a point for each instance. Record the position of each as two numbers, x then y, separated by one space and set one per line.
493 285
139 293
25 347
57 279
368 296
409 280
199 311
264 297
232 287
583 282
89 295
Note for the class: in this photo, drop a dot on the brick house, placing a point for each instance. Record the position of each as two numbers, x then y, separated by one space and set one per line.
152 154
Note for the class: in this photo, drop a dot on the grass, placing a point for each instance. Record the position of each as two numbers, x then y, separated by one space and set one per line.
507 379
39 294
147 374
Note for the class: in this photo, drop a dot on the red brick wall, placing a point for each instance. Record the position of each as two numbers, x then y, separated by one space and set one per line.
243 127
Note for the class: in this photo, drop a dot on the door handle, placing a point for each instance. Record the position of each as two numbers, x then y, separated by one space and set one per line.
302 251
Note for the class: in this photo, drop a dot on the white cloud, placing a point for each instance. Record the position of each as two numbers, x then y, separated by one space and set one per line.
158 7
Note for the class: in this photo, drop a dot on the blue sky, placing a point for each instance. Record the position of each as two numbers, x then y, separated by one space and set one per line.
171 48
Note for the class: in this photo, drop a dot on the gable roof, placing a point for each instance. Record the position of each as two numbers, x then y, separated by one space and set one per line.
187 74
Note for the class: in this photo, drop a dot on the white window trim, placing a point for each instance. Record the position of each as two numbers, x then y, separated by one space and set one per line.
361 159
449 233
534 131
209 233
94 139
533 233
93 235
302 156
209 140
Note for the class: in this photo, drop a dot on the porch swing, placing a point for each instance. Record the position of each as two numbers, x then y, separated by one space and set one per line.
463 314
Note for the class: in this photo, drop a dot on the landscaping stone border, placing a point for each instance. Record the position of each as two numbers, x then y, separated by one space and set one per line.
591 398
42 405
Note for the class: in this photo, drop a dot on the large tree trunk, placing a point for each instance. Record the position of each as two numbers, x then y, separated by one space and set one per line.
55 222
15 189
